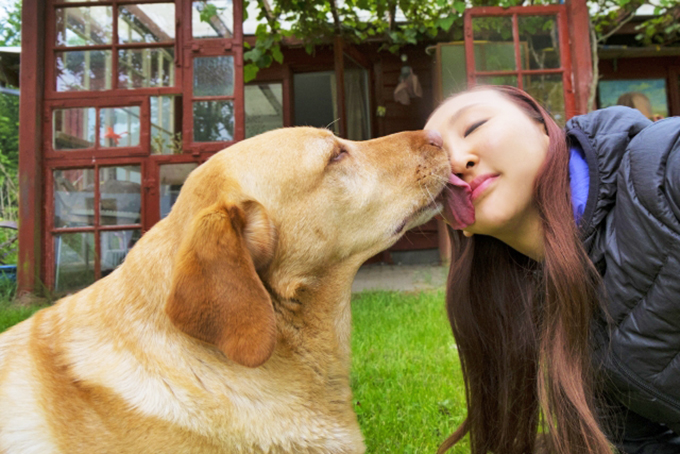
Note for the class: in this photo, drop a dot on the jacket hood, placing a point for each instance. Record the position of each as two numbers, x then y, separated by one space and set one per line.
604 136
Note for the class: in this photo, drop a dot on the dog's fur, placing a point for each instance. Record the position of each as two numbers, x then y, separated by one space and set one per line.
226 329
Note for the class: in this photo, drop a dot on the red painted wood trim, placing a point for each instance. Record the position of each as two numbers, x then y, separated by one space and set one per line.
30 142
578 25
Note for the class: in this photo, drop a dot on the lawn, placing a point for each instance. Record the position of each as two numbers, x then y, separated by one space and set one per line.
408 388
406 378
11 315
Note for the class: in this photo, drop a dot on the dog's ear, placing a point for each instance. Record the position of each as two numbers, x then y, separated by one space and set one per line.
216 294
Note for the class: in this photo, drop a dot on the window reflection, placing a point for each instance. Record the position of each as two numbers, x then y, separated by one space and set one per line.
357 101
214 76
263 106
539 42
119 127
73 128
83 70
212 19
494 48
549 91
166 124
153 23
115 246
74 259
142 68
172 179
213 121
84 26
73 197
120 195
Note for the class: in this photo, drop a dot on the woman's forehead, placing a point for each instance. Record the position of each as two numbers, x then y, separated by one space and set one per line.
455 106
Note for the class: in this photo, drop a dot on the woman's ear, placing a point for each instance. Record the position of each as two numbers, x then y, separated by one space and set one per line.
217 295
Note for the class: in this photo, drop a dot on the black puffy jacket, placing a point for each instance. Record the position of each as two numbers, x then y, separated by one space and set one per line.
631 231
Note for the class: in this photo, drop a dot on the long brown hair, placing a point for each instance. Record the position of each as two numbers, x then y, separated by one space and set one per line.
523 327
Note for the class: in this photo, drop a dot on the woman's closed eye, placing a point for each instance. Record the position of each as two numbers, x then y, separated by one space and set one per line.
473 127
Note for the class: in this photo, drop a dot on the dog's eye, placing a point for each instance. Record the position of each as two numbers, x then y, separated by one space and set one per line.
338 155
473 127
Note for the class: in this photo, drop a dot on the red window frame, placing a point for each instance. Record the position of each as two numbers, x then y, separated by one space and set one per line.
560 11
185 49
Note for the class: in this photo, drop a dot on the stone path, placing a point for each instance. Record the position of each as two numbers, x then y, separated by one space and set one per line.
400 277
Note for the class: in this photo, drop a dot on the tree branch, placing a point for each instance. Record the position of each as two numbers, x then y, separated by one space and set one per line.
336 17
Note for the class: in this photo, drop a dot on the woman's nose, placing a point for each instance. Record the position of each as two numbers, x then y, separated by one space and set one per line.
462 163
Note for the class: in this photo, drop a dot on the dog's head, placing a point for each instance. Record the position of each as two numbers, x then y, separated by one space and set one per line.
283 206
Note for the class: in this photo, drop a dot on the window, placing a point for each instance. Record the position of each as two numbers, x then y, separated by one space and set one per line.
264 107
138 94
518 46
97 219
140 50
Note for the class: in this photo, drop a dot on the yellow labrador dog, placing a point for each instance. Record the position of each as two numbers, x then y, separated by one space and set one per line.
227 329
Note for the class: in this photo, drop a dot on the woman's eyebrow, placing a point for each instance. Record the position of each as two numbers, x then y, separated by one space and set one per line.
454 118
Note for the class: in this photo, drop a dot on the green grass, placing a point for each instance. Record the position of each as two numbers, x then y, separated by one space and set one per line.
406 378
11 315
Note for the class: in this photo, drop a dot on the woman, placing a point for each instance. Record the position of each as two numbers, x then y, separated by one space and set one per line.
564 293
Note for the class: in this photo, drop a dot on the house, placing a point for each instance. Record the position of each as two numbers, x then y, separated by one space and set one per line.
121 100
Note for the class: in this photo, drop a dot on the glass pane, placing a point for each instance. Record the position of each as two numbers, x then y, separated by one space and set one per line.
73 197
142 68
154 23
317 104
497 80
453 69
172 179
643 94
548 90
84 26
214 76
115 245
213 121
166 124
494 48
120 194
212 19
73 128
119 127
356 101
83 70
73 260
264 108
539 42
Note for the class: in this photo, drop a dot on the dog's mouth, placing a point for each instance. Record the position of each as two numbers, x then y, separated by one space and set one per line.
421 215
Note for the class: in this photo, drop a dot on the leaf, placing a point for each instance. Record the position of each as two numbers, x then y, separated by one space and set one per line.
250 72
445 23
277 54
459 6
253 55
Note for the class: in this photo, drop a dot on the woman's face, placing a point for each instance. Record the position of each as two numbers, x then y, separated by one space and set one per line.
498 150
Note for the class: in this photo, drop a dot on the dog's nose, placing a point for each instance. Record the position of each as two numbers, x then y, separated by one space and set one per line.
434 138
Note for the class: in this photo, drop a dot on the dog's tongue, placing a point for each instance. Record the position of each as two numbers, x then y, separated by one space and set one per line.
458 211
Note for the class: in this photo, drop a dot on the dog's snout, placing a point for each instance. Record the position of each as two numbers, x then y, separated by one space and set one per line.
434 138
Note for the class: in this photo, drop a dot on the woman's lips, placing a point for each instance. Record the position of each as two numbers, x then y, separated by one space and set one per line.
479 184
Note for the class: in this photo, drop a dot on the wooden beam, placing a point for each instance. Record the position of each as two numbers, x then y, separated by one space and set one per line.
581 58
30 141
